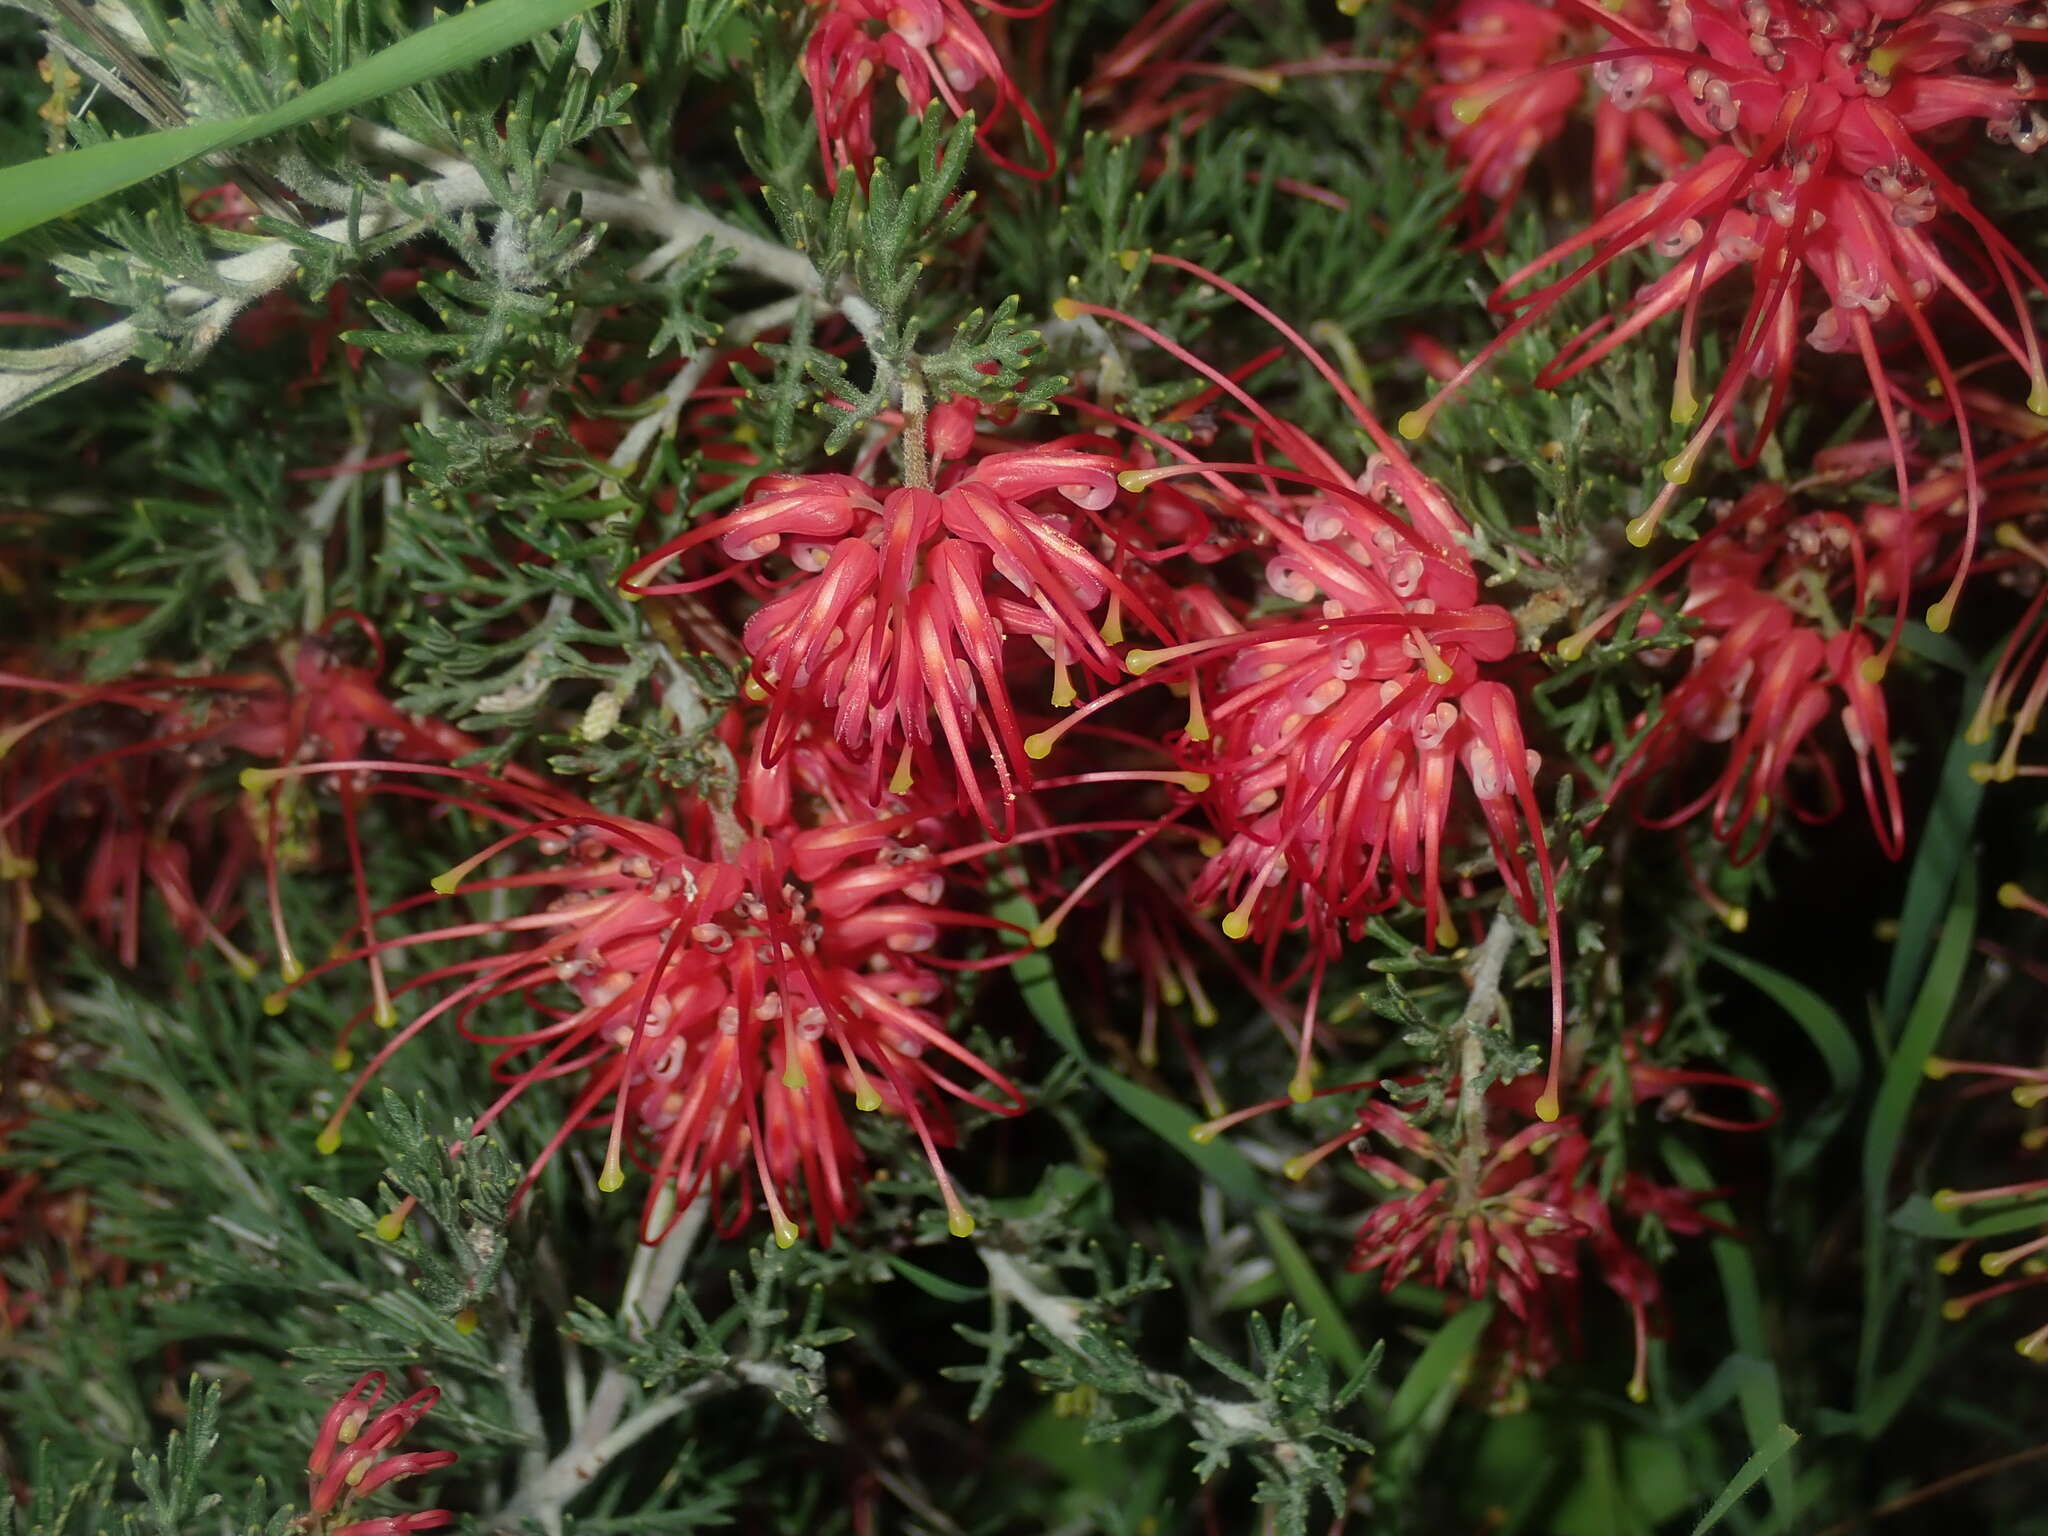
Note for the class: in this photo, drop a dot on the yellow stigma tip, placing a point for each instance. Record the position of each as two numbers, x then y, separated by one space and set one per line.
1038 747
794 1080
960 1224
1983 773
613 1179
2037 398
1237 925
1683 409
1736 919
328 1142
2027 1095
1134 479
1547 1107
1066 309
254 779
1301 1090
446 883
1641 530
1946 1200
1129 260
1955 1311
274 1003
385 1015
1678 469
1439 671
786 1232
1469 109
1638 1392
867 1101
1196 783
1296 1168
1043 935
1138 661
1940 616
290 969
753 690
466 1321
1413 424
1934 1068
2011 894
1571 648
244 967
390 1225
1063 692
1872 668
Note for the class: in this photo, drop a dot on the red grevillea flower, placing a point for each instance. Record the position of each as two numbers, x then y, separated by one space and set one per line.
1770 663
1817 176
720 1001
1499 101
891 633
357 1453
1515 1222
936 50
1336 733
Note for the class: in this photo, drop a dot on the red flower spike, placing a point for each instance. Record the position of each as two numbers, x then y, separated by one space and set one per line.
1816 173
357 1453
726 999
936 50
890 635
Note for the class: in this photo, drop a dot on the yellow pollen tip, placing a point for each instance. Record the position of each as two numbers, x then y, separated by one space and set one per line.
1439 671
786 1232
1736 919
1940 615
1948 1263
1683 408
1469 109
1066 309
2037 398
1935 1068
1043 935
1641 530
447 882
390 1225
753 690
1994 1264
290 969
1237 924
1296 1168
1138 661
1129 260
243 967
1204 1133
1946 1200
1039 747
385 1015
1983 773
342 1059
1955 1310
1638 1392
960 1224
1872 668
1547 1107
1195 783
274 1003
1205 1013
794 1080
1301 1090
255 779
902 780
1063 692
2011 894
2009 535
1678 469
613 1178
466 1321
1571 648
328 1142
1207 846
2035 1349
1112 630
1136 479
2027 1095
1413 424
1883 61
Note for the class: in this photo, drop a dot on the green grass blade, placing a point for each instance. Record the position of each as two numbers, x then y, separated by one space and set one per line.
1921 1217
1830 1036
1903 1075
37 191
1437 1367
1751 1473
1943 841
1218 1162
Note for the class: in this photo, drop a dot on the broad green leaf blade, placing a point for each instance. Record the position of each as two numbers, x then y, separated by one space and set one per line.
1750 1474
1830 1036
38 191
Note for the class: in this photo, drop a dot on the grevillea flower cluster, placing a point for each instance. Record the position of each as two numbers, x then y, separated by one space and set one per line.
357 1453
